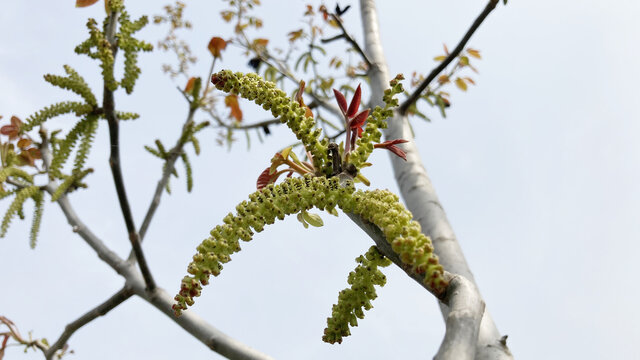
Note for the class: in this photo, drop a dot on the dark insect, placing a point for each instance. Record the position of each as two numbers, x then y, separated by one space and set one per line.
255 63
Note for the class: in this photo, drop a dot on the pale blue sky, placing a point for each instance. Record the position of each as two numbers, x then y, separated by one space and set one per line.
538 168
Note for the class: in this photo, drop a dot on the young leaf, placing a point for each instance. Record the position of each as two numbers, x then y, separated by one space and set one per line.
461 84
474 53
312 219
85 3
355 103
342 102
216 45
231 101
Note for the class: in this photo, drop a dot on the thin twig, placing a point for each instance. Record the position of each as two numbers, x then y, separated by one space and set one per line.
458 49
190 321
108 103
100 310
349 39
174 154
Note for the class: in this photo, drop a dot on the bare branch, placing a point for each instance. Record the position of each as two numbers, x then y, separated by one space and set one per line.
91 315
464 314
349 39
213 338
108 104
191 322
435 72
103 252
170 162
416 188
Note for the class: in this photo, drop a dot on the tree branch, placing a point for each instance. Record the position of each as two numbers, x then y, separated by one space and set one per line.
213 338
191 322
174 154
458 49
91 315
417 190
349 39
108 104
462 302
103 252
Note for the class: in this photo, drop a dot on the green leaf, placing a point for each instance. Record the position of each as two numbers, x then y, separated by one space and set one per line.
301 219
312 219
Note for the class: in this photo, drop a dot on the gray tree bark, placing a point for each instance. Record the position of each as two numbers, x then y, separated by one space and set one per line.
417 190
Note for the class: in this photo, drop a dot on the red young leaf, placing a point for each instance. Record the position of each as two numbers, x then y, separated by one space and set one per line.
359 119
342 102
391 146
264 179
355 103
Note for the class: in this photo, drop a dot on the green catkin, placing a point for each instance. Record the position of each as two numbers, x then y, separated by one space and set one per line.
73 179
188 170
153 151
61 154
16 206
252 87
73 82
38 198
131 47
85 144
37 119
127 115
358 296
15 172
380 207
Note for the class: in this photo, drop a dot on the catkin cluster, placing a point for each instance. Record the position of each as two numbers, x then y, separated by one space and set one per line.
263 208
380 207
252 87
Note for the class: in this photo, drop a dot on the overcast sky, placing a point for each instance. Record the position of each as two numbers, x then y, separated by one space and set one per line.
537 166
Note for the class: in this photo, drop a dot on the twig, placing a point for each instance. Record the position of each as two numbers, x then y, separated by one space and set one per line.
103 252
458 49
100 310
108 104
15 334
174 153
191 322
349 39
213 338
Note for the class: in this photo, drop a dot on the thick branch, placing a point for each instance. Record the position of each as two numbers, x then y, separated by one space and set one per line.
108 103
213 338
463 304
416 188
464 315
435 72
91 315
